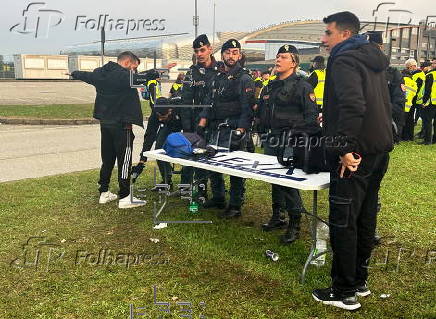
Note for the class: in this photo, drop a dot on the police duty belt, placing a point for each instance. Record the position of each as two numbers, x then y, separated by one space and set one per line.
170 106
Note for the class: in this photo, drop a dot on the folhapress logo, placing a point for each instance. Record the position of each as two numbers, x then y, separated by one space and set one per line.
38 253
37 20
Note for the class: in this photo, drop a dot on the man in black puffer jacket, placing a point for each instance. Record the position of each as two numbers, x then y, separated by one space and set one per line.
117 106
357 113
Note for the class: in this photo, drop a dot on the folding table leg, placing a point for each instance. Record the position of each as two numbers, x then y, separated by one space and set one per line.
312 234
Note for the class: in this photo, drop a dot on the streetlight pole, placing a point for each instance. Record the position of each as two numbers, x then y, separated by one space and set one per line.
196 20
214 16
103 40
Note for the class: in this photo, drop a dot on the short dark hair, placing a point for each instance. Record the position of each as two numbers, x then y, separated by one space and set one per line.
128 55
344 21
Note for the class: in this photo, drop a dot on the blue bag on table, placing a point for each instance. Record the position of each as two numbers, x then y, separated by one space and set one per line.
182 145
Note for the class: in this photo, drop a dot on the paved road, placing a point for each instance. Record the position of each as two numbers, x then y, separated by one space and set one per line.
36 151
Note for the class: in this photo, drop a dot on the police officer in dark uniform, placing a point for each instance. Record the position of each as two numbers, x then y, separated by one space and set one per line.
395 81
286 103
230 118
169 122
196 87
162 122
153 126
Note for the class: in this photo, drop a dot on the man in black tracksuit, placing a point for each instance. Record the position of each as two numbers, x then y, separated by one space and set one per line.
286 103
357 110
117 106
230 118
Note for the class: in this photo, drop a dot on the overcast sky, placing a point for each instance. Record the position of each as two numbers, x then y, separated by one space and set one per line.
231 15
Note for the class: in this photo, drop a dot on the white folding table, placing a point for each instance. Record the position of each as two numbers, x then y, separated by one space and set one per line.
263 168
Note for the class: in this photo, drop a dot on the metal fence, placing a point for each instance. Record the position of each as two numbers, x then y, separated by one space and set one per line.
7 68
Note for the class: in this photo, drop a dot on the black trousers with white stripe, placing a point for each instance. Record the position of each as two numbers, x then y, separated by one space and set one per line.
116 144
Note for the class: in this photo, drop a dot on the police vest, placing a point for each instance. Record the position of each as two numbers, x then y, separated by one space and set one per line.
225 95
156 90
281 108
258 87
420 93
266 82
177 86
411 89
433 88
319 88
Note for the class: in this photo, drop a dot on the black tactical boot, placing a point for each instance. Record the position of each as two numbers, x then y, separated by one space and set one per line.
215 203
292 232
231 212
276 221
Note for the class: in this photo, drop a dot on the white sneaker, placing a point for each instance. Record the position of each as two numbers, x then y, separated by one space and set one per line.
128 202
107 197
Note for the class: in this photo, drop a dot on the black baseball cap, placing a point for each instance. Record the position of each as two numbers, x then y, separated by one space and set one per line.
318 59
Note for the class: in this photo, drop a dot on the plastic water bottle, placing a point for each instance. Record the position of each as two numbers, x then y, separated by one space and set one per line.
193 204
193 207
322 235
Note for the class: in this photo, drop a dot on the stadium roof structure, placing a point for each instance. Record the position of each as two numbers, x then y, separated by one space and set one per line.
260 44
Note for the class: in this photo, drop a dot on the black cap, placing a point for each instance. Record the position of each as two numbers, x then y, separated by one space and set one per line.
318 59
230 44
288 48
153 75
375 36
200 41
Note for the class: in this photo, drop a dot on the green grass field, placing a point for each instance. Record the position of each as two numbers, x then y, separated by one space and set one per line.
221 264
55 111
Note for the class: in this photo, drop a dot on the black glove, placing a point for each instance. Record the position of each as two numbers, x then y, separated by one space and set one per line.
200 130
137 170
237 137
177 100
162 101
